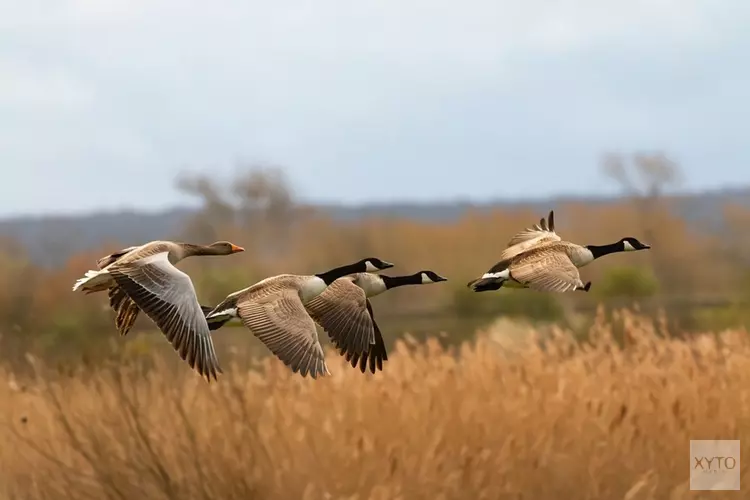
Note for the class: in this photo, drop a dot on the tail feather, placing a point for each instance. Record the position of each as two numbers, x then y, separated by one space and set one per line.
92 284
216 322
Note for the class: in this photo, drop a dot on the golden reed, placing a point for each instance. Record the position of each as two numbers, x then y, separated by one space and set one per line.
541 418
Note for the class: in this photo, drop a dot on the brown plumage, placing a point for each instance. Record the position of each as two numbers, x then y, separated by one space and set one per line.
342 312
274 310
536 235
144 278
375 356
539 259
345 313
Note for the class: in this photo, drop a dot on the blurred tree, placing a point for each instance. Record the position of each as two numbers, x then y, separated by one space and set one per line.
645 177
257 200
265 205
643 174
216 209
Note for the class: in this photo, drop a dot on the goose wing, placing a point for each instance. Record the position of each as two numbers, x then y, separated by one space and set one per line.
538 234
278 318
167 296
113 257
342 312
376 354
125 309
551 271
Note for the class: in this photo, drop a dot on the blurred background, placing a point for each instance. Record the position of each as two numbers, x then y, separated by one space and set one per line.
424 133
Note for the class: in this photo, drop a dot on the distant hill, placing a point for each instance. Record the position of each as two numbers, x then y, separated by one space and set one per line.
52 239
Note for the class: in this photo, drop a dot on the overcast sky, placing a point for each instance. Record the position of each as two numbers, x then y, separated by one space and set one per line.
103 102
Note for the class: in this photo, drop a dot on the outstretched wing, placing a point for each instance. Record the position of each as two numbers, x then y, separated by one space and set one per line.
113 257
547 272
342 312
377 353
126 311
167 296
281 322
538 234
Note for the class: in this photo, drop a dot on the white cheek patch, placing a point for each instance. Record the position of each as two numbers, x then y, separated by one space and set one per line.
628 246
370 268
425 279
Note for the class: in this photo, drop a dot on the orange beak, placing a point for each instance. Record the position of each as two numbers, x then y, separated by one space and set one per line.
236 249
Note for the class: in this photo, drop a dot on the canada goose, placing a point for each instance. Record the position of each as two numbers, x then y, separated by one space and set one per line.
274 310
345 313
537 258
144 277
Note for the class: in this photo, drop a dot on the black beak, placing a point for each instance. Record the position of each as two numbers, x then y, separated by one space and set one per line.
440 278
386 265
645 247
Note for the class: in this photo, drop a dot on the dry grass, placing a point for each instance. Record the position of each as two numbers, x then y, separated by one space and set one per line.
482 422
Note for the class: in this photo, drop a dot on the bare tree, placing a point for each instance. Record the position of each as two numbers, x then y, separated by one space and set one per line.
257 199
645 177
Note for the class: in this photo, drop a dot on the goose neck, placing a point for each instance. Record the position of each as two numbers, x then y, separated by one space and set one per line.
330 276
396 281
602 250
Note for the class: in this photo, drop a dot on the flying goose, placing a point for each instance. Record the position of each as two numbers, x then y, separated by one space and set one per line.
274 310
345 313
537 258
144 278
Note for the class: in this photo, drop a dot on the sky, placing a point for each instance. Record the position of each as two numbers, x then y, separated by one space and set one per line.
104 102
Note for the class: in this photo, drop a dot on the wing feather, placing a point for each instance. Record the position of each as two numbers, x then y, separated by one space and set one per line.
341 310
375 356
167 296
551 271
279 319
538 234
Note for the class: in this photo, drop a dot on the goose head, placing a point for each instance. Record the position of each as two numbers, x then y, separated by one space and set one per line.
431 277
630 244
373 264
225 248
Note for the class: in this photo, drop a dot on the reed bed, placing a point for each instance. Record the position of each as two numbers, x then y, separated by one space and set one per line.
541 417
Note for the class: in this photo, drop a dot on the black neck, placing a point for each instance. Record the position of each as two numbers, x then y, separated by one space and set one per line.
395 281
334 274
601 250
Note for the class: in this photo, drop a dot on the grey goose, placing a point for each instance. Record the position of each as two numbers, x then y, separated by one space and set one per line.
145 278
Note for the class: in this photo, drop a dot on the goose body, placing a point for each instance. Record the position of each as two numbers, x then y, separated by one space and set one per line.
145 278
539 259
274 310
344 311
